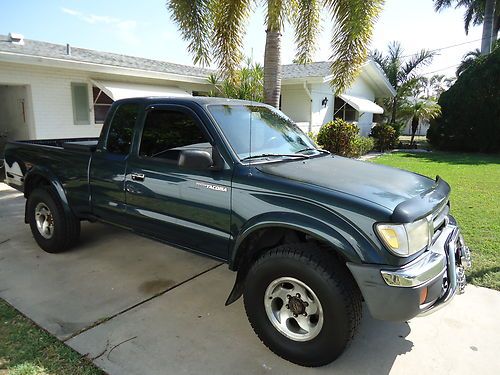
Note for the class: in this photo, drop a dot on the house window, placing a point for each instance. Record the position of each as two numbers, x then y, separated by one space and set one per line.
102 104
344 111
80 98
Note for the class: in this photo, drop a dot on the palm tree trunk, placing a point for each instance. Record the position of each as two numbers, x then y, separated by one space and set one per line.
394 108
272 68
487 41
414 128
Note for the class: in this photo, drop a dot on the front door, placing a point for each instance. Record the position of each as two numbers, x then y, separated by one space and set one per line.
108 167
189 208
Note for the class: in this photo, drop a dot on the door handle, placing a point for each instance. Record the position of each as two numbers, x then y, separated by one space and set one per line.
137 176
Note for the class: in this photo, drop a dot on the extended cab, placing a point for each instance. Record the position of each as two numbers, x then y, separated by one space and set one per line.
310 234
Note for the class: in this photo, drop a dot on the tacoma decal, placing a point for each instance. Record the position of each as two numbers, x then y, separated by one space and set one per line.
212 187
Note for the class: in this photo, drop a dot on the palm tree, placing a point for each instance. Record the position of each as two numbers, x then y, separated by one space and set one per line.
247 84
215 31
468 60
420 110
401 71
485 12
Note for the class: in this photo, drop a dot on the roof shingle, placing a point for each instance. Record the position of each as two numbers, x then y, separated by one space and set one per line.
58 51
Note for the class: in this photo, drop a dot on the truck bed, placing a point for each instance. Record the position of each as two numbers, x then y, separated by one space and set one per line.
67 158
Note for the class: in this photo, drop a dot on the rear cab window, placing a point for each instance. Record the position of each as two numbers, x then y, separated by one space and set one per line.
121 129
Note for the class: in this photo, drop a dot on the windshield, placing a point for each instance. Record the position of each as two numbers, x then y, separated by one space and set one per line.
272 133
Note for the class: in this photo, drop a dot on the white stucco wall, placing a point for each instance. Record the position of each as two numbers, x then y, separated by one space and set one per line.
296 104
362 90
49 97
320 114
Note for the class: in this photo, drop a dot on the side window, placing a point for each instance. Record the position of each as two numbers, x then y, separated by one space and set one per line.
121 129
80 99
166 132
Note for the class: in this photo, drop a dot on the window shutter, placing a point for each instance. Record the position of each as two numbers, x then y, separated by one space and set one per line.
80 96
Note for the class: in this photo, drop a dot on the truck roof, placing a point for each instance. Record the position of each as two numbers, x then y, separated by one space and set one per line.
201 100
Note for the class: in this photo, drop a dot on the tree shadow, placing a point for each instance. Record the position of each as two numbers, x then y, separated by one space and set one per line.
452 158
374 349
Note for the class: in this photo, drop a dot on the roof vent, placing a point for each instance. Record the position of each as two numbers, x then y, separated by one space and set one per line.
68 49
16 38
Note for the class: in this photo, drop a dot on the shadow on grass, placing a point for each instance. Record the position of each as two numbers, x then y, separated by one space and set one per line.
453 158
27 349
483 272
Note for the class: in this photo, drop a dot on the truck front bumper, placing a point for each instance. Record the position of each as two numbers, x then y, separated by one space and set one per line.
421 286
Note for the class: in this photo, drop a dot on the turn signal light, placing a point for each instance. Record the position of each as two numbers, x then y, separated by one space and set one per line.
423 295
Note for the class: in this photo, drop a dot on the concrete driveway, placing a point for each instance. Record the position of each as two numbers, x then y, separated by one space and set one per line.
136 306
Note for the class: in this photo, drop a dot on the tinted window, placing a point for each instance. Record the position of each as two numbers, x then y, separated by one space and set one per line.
122 129
165 132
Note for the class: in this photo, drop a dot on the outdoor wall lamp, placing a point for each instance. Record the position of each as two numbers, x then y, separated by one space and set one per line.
324 102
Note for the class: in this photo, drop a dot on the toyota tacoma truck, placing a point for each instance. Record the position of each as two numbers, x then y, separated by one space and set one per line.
311 235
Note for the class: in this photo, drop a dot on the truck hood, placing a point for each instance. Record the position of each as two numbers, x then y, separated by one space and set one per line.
385 186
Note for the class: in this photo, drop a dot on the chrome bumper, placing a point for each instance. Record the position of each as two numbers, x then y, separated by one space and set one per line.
447 258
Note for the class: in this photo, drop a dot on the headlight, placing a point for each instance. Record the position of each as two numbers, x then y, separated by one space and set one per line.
405 239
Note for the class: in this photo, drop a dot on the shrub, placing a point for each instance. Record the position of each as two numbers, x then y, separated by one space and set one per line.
338 136
312 136
385 137
362 146
470 110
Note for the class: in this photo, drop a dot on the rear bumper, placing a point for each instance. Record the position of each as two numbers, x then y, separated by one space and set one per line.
420 287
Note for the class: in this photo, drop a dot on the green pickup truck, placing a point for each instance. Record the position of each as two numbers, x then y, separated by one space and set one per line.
311 235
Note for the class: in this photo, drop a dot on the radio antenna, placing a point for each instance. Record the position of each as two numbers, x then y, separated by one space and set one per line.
250 131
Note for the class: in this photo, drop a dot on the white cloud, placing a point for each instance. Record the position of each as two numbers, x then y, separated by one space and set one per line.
123 29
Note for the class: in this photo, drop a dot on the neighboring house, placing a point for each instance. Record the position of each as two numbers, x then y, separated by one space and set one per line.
308 99
423 126
54 91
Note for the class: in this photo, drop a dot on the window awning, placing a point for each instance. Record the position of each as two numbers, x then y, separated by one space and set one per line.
123 90
362 105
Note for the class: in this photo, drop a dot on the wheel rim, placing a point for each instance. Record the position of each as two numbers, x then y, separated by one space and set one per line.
293 309
44 220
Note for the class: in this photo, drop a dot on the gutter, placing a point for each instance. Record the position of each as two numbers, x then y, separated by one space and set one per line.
306 89
52 62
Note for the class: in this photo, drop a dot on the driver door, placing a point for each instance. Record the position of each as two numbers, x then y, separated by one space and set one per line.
187 208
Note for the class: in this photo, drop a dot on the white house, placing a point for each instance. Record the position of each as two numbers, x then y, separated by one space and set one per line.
308 99
55 91
58 91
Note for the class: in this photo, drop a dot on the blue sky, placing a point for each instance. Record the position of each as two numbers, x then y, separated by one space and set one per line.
145 29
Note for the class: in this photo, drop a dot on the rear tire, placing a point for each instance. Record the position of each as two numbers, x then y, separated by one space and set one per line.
54 229
302 303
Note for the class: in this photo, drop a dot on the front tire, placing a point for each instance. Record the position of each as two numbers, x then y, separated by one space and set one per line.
54 229
302 303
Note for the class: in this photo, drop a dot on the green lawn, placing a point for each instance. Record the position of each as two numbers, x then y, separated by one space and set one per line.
475 202
25 349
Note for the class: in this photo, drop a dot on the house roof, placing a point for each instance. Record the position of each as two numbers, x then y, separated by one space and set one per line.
370 72
59 52
315 69
44 53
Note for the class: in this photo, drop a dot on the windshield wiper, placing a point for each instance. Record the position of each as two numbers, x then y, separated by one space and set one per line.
276 156
313 149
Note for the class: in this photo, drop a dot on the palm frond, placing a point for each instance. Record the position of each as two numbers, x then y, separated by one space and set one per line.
422 58
276 15
229 21
442 4
354 23
194 22
306 21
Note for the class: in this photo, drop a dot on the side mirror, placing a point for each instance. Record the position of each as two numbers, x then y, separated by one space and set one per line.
199 160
